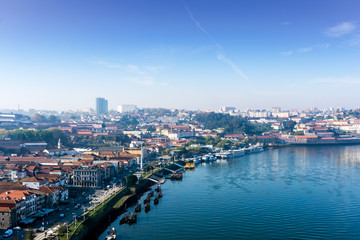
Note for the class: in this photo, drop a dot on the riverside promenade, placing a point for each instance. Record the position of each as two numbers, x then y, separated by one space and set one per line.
72 220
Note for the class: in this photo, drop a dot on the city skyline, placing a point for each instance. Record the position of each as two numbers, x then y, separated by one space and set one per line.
186 55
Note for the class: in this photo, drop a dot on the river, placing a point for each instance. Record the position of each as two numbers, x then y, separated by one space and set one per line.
286 193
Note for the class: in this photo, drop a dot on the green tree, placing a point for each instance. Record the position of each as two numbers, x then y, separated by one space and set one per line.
38 118
53 119
131 180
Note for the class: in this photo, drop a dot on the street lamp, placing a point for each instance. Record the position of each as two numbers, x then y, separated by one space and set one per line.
83 212
67 230
74 219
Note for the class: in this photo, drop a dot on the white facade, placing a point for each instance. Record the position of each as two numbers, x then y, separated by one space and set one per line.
126 108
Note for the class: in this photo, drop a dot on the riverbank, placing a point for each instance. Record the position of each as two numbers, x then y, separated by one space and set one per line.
97 220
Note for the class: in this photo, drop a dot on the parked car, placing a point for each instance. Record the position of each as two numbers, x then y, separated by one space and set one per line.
8 233
62 215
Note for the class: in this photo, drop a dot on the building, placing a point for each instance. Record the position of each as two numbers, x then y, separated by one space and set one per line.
227 109
86 176
23 202
101 106
7 216
126 108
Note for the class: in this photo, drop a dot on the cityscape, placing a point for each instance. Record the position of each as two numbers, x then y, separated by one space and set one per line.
53 161
179 119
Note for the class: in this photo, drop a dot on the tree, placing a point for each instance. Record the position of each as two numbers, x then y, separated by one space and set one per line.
30 235
289 125
166 152
38 118
53 119
131 180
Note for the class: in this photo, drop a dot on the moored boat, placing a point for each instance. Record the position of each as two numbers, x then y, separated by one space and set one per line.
146 200
111 234
132 218
138 208
147 207
158 189
176 176
212 158
125 218
156 201
150 194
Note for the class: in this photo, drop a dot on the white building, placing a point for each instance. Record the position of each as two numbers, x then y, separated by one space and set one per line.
126 108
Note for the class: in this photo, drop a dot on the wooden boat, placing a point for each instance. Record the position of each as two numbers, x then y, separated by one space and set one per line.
138 208
156 201
111 234
150 194
147 207
158 189
124 219
176 176
146 200
132 218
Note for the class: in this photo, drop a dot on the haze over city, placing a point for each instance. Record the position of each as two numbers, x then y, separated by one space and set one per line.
179 54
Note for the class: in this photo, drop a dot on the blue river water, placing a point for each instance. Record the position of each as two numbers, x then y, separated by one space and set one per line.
287 193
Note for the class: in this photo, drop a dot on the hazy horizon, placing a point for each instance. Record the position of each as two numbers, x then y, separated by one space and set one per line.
179 54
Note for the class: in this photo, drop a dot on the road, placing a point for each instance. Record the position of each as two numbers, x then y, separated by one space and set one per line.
101 196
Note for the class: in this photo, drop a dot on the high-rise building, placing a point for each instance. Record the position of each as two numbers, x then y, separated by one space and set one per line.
101 106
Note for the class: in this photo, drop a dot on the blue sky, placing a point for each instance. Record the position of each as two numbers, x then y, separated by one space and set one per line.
179 54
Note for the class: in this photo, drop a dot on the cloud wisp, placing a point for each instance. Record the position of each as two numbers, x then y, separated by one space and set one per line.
306 49
341 29
142 75
198 25
220 56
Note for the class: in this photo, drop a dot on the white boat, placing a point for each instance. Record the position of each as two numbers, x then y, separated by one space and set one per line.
254 149
237 152
224 154
212 158
196 160
205 158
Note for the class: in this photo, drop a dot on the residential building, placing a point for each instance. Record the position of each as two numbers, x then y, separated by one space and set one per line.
101 106
127 108
87 176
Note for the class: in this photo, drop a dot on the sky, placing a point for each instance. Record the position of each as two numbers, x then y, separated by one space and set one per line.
198 54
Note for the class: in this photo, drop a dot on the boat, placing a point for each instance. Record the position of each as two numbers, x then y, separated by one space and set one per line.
158 189
111 234
125 218
225 154
138 207
205 158
146 200
160 195
254 149
237 152
150 194
132 218
189 166
147 207
197 160
176 176
212 158
156 201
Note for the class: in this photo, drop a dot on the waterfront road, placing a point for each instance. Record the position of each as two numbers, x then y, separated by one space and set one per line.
69 216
